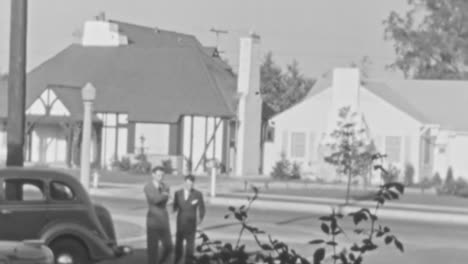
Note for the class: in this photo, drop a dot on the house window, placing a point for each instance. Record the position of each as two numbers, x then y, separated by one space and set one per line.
393 148
270 134
114 136
298 144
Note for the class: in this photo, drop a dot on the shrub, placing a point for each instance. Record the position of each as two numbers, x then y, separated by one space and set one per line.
436 180
449 177
409 174
123 165
296 171
143 166
282 169
167 166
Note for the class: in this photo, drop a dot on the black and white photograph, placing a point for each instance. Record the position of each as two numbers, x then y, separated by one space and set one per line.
233 132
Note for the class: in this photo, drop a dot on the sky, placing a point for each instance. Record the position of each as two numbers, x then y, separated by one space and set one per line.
319 34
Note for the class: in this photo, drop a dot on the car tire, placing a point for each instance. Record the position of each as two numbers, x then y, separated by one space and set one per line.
67 249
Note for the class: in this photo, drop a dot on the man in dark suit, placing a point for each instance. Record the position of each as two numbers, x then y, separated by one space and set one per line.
157 219
187 203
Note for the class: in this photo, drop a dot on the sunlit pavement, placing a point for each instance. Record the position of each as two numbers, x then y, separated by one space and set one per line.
424 243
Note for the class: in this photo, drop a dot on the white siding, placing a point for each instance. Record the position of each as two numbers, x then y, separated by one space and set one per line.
457 157
48 144
48 100
309 117
312 115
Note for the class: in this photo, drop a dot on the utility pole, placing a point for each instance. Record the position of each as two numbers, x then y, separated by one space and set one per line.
17 83
218 32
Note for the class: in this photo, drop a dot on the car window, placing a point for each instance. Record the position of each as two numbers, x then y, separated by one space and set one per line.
61 192
23 190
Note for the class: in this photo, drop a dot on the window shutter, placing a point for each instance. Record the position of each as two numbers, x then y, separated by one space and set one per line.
312 147
284 148
408 148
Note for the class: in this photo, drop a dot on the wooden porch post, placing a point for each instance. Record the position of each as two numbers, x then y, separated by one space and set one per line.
191 145
226 149
69 137
98 156
214 138
206 139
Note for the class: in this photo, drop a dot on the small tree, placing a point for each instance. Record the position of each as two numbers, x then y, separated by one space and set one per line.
449 177
296 171
409 174
437 180
349 150
282 168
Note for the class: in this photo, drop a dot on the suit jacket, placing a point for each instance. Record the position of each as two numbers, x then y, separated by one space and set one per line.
157 216
187 210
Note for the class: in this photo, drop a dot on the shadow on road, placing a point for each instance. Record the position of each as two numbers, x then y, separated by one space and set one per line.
296 219
138 256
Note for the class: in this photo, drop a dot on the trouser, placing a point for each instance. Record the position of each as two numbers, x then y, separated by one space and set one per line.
189 238
153 237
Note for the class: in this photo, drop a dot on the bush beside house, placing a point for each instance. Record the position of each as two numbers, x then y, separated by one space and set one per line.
284 170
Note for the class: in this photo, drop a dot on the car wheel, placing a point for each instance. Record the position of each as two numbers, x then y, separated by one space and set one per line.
69 251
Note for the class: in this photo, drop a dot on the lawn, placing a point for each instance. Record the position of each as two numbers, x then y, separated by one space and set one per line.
359 194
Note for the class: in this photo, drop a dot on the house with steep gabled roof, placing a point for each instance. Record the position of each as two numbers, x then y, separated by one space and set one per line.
157 91
414 122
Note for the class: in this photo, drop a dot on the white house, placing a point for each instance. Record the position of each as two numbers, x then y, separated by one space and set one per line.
157 90
419 122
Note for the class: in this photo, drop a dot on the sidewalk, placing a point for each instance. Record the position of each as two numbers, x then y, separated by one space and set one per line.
410 212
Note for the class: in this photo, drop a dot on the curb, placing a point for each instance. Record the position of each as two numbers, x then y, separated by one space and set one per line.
326 209
411 213
321 200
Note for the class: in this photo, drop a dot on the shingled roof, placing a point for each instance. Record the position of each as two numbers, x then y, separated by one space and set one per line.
438 102
158 77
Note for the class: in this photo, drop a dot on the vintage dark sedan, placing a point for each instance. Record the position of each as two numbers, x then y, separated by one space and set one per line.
54 207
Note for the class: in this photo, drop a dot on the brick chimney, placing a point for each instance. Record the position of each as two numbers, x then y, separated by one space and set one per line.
249 109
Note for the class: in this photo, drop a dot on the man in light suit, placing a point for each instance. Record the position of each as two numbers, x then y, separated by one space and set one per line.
157 219
190 208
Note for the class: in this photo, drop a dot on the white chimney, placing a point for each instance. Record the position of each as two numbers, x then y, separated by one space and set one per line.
345 89
102 33
249 109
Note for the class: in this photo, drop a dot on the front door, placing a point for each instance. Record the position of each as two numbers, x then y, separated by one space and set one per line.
23 208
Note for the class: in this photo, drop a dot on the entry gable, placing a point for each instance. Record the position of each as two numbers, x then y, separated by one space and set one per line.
48 104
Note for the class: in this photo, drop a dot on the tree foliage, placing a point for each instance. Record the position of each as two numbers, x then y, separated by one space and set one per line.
281 89
370 235
351 151
431 39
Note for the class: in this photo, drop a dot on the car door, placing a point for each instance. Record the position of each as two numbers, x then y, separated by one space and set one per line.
23 208
65 206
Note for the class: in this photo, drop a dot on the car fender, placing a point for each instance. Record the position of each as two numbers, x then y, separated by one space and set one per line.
107 223
97 247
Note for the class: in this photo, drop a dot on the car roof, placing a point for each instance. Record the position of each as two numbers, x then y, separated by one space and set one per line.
40 173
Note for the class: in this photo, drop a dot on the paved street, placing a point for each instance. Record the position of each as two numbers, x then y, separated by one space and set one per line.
424 243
